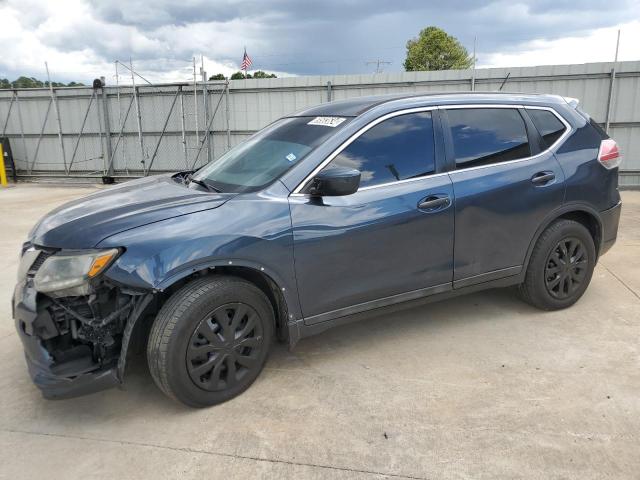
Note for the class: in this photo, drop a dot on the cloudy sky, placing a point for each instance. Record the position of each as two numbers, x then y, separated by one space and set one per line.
81 39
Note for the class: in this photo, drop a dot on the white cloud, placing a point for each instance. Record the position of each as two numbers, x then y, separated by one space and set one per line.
598 46
81 41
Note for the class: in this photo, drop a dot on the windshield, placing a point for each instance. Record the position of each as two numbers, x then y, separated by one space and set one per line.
268 154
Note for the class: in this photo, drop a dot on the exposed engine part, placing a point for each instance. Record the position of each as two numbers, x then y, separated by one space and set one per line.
93 324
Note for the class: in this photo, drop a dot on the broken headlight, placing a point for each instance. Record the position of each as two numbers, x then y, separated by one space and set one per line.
68 273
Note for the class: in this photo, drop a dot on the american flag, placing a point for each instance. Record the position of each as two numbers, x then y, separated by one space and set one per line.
246 61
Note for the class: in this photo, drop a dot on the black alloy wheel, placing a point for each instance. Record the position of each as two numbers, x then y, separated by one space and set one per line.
224 347
566 268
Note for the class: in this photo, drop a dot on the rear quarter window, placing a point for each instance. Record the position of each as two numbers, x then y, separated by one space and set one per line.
548 125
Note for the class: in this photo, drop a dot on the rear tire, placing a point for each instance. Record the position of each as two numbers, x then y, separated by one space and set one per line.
210 340
560 267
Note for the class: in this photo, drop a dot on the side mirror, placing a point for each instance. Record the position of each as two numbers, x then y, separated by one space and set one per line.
334 182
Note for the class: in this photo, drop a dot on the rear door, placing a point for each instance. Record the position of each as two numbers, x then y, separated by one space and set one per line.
505 181
384 243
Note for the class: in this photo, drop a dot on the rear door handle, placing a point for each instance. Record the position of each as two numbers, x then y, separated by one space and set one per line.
434 202
542 178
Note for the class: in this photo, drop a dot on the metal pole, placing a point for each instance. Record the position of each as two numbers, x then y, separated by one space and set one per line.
228 115
84 121
44 123
473 72
195 99
182 129
504 81
120 123
24 142
57 113
101 133
607 120
6 122
164 129
329 91
133 72
107 129
208 127
126 115
139 118
205 99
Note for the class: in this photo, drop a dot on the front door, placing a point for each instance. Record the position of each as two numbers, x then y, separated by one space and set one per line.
390 241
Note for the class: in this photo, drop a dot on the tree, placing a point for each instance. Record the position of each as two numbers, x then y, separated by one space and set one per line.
239 76
261 74
435 49
217 76
256 74
30 82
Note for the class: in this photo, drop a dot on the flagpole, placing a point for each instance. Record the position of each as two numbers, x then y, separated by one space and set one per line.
245 68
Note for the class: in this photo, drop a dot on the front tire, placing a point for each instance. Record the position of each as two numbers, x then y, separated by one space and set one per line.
560 267
210 340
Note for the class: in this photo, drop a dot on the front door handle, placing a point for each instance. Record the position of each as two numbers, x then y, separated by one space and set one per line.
542 178
434 202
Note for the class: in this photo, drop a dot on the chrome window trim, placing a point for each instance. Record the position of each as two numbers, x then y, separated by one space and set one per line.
297 191
560 140
351 139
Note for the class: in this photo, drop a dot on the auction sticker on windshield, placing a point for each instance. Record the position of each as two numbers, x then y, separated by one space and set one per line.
327 121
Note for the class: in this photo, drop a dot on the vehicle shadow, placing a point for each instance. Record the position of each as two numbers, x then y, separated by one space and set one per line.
415 322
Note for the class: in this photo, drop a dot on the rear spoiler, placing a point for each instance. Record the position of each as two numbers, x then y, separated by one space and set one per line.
572 102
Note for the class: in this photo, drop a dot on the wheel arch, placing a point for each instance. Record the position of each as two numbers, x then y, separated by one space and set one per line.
581 213
138 327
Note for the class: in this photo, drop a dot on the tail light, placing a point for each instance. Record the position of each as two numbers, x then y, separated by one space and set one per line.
609 154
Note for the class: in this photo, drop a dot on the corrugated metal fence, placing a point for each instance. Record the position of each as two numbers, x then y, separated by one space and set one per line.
153 128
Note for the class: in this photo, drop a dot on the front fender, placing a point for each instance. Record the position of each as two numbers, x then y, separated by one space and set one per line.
252 231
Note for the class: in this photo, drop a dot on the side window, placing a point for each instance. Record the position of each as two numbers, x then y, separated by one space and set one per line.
399 148
482 136
549 126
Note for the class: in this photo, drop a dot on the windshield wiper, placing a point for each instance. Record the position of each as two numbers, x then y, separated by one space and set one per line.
209 188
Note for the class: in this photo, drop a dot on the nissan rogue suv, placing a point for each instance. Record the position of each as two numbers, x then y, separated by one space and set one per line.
318 219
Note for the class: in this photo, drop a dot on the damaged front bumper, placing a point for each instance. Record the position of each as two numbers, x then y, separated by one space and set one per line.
77 345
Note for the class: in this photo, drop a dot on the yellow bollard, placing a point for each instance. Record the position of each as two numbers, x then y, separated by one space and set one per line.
3 172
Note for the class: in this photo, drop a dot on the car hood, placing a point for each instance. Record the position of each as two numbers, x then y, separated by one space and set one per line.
83 223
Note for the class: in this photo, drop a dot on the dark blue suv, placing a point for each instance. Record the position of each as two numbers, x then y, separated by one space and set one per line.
315 221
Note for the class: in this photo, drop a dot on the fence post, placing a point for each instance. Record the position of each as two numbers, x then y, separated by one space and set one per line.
182 129
44 123
57 113
84 121
107 129
612 81
164 129
205 96
208 127
228 115
24 141
6 122
136 100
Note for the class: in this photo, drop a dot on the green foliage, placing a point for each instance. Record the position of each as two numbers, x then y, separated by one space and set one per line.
434 49
256 74
217 76
261 74
30 82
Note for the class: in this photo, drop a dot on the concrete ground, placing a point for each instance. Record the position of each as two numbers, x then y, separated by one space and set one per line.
481 386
